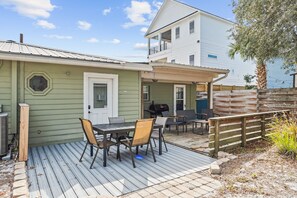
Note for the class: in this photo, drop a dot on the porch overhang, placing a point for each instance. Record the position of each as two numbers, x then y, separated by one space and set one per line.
178 73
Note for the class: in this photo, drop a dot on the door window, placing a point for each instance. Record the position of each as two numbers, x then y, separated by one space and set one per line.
100 95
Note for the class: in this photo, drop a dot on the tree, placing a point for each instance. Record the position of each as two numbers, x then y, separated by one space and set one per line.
265 29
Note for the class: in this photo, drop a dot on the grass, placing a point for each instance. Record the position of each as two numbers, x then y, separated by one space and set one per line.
284 135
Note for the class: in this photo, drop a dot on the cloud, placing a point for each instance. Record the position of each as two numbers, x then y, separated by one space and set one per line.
143 29
45 24
143 46
92 40
137 13
140 46
84 25
106 11
33 8
157 4
56 36
115 41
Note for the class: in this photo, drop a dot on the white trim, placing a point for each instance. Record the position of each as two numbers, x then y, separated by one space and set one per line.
115 91
174 96
74 62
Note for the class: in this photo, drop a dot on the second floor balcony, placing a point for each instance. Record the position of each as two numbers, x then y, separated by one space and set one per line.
159 48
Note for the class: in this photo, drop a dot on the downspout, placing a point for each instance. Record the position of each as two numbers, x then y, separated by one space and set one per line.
210 90
220 78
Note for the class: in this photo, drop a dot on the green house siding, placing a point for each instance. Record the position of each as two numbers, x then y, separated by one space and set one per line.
5 91
54 116
162 93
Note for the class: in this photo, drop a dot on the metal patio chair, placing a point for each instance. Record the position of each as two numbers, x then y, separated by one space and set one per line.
155 134
91 140
141 136
173 121
189 117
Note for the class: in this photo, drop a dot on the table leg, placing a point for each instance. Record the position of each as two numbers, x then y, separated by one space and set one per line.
104 149
160 141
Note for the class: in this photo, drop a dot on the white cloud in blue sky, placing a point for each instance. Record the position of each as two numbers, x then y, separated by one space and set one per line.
92 40
45 24
56 36
30 8
106 11
84 25
137 13
143 29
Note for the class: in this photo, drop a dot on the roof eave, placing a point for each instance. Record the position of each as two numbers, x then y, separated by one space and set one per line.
74 62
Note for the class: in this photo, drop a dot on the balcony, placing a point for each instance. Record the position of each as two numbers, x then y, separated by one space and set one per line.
159 48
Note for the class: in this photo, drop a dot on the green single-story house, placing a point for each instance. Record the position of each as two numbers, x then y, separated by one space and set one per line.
61 86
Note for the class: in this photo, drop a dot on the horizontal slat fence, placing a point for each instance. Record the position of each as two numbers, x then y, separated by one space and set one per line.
277 99
235 102
232 131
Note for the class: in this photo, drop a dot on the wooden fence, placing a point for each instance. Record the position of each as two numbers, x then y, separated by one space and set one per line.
235 102
277 99
233 131
24 132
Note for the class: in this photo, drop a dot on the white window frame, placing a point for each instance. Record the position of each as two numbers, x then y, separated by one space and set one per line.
146 92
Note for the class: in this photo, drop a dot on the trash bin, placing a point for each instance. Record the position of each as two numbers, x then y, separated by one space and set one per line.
3 134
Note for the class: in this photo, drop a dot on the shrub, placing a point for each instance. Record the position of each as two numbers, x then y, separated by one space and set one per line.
284 135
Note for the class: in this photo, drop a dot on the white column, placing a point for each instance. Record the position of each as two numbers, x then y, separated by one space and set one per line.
160 41
149 46
210 95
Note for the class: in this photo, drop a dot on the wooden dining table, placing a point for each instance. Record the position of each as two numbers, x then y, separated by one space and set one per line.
119 128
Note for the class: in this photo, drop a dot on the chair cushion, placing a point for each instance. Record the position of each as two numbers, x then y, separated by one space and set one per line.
155 134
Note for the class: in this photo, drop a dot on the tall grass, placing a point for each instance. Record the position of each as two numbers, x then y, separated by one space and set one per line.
284 135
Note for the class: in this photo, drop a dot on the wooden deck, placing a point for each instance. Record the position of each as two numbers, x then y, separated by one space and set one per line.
54 171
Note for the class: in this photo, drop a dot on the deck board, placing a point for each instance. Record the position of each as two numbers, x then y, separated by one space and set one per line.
54 171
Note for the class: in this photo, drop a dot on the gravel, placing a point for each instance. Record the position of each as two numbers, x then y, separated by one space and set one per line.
6 177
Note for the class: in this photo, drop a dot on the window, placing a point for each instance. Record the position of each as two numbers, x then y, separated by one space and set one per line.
192 27
146 93
191 59
177 33
212 56
38 83
173 61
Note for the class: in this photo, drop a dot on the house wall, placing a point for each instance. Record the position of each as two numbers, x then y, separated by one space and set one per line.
54 117
277 77
5 91
215 41
162 93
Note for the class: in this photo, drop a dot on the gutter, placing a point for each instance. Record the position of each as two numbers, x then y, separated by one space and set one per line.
221 78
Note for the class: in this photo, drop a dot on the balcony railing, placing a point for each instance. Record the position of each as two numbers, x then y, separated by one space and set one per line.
159 48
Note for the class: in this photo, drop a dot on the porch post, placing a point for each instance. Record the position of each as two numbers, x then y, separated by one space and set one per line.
149 46
160 41
210 95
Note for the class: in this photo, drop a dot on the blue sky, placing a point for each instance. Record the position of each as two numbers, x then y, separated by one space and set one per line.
112 28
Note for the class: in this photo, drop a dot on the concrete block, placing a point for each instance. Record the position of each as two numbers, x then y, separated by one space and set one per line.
20 183
20 177
215 169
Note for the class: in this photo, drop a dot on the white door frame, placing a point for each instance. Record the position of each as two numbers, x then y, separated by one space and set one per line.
174 97
115 91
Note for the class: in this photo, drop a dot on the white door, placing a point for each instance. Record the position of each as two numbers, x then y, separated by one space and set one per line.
100 100
100 96
179 97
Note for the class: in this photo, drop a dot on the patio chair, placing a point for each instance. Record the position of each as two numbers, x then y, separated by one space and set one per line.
118 120
189 117
155 135
173 121
141 136
91 140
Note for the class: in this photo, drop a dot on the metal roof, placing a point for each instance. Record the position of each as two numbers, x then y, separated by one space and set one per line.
21 48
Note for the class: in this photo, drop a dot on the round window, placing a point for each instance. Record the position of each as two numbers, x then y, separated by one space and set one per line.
39 83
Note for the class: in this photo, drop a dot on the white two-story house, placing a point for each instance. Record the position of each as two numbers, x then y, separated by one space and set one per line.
183 34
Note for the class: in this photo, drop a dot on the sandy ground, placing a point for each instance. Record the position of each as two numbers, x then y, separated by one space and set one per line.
6 177
259 171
